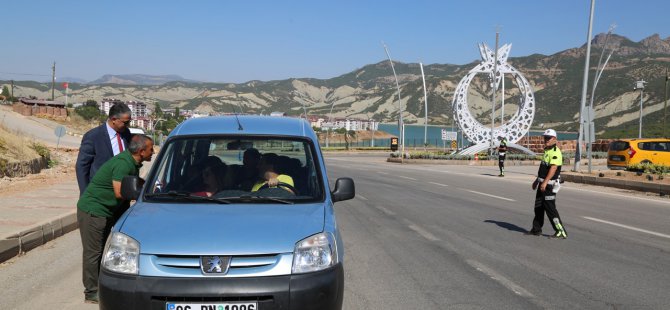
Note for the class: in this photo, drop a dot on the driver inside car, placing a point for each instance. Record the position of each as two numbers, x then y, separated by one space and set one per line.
268 173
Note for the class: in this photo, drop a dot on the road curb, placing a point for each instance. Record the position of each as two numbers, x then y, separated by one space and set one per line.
28 239
660 189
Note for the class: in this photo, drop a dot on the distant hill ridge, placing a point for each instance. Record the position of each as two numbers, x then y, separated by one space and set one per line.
370 90
140 79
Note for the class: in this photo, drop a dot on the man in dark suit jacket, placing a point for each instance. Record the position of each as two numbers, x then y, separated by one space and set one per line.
102 143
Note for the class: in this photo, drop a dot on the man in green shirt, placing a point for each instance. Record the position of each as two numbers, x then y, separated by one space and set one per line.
101 205
547 185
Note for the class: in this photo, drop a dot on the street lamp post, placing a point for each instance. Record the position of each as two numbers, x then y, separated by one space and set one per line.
585 81
640 85
599 71
401 123
665 101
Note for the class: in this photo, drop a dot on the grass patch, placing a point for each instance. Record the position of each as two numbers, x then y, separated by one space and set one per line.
16 146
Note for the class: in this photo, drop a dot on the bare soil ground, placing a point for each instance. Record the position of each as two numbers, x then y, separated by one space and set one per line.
63 170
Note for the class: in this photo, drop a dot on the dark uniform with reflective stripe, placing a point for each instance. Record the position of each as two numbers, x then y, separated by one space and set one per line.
546 201
502 149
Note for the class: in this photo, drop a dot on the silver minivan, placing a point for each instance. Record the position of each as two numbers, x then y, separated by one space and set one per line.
235 214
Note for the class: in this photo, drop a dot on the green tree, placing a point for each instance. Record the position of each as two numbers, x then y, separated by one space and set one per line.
158 113
89 112
6 93
91 103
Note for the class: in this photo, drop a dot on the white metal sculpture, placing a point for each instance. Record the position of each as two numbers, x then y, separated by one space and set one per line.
516 127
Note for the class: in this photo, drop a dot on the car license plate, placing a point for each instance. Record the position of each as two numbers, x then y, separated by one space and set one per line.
213 306
617 158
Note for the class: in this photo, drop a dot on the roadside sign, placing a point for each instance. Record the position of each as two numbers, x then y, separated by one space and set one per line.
394 144
59 131
449 135
454 144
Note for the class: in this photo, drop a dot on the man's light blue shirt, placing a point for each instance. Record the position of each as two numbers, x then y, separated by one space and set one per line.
112 137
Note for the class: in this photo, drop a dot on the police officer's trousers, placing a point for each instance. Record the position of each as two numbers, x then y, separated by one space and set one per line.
545 202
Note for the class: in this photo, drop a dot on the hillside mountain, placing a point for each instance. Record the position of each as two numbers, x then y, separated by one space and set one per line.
140 79
370 91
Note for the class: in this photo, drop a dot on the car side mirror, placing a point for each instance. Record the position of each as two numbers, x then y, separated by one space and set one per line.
130 187
344 189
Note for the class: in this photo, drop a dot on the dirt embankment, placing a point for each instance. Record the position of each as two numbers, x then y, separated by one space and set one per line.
63 162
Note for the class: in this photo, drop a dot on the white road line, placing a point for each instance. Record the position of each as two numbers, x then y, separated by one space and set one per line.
361 196
424 233
440 184
494 196
628 227
387 211
499 278
404 177
381 172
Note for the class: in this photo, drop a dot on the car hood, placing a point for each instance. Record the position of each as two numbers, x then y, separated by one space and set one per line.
217 229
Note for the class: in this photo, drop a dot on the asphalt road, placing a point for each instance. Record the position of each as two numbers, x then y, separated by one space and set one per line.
38 129
447 237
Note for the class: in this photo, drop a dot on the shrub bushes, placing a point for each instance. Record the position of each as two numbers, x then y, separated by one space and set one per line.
649 168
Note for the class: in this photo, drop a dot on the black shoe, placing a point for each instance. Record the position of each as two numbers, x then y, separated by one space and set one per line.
91 298
533 233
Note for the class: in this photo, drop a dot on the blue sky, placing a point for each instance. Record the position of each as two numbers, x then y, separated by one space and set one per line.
238 41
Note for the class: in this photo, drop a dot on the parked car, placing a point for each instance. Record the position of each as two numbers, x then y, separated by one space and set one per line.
234 247
136 131
625 152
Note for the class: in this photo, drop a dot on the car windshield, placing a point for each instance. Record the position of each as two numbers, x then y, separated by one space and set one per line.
229 169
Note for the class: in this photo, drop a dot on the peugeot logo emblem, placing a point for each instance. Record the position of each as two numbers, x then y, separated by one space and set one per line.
214 264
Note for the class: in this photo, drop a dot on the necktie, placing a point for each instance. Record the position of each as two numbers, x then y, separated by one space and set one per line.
118 139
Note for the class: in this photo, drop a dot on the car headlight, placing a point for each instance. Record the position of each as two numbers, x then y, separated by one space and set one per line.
121 254
315 253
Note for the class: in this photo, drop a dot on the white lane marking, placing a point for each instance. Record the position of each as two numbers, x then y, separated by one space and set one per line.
628 227
404 177
387 211
494 196
422 232
381 172
440 184
500 279
361 196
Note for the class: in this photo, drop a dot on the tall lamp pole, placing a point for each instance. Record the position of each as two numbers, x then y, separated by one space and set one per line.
401 124
425 101
599 73
665 101
640 85
495 85
585 82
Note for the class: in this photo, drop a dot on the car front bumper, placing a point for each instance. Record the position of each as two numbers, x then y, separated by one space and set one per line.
317 290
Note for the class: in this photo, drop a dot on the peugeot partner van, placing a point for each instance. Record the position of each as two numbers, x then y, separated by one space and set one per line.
236 214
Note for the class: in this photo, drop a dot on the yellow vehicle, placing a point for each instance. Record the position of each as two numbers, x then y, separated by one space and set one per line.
625 152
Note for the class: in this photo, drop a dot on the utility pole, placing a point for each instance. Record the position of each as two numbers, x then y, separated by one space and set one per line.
495 84
53 80
12 90
585 82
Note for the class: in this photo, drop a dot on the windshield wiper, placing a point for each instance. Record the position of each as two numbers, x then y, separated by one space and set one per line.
187 196
259 199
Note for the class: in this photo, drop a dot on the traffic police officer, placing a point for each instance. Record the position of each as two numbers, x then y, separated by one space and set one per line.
547 185
501 155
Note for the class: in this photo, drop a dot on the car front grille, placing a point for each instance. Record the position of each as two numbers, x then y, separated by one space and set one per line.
240 266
